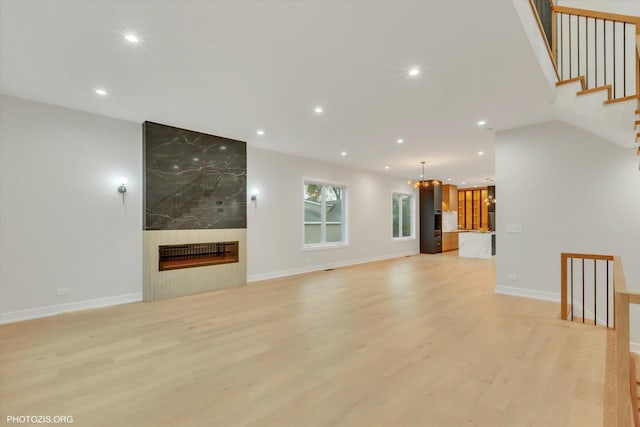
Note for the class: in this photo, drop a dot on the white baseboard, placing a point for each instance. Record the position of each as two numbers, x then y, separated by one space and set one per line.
545 296
635 347
320 267
50 310
528 293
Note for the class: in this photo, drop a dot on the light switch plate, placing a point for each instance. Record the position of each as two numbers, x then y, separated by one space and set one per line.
515 229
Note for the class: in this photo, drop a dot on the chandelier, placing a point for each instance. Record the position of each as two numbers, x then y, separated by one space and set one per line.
489 201
423 183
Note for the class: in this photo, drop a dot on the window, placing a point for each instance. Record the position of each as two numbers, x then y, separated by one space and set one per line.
402 216
324 213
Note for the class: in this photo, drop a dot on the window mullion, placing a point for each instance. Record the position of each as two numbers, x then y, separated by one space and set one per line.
323 216
400 207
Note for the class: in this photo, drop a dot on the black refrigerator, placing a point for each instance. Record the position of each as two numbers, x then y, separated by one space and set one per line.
431 217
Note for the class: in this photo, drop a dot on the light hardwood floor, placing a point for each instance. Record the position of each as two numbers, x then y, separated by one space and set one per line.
416 341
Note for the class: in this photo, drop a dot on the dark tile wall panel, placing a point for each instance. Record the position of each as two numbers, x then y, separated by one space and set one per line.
193 180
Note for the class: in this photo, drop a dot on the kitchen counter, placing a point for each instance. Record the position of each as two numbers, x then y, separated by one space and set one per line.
476 244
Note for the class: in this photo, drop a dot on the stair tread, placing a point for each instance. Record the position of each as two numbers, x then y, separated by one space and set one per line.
571 80
613 101
596 89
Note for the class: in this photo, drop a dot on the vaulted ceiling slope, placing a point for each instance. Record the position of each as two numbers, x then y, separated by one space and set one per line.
232 67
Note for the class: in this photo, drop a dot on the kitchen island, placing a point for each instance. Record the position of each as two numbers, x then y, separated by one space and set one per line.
476 244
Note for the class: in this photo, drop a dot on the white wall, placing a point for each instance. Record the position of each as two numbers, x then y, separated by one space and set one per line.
62 222
571 191
275 233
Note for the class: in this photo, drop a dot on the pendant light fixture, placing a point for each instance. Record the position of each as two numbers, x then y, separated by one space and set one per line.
423 183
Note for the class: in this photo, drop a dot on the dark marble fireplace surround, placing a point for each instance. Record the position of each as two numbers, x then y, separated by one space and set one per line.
193 180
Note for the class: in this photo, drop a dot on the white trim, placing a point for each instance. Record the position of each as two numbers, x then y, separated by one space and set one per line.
326 246
319 267
51 310
412 200
323 221
548 296
528 293
402 239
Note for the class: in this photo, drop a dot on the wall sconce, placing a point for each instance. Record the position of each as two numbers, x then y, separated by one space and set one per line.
123 187
254 197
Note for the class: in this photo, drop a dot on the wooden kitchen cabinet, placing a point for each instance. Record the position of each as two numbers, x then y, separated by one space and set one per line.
449 198
473 212
449 241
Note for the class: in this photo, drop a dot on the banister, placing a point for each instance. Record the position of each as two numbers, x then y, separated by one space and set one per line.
550 49
588 256
629 19
624 367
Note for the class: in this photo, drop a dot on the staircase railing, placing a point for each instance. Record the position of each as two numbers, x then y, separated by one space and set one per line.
585 286
599 47
626 410
543 12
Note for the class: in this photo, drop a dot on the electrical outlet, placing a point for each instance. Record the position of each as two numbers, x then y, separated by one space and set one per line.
63 291
512 276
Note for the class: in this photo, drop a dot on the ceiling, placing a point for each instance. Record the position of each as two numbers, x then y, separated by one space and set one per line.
230 68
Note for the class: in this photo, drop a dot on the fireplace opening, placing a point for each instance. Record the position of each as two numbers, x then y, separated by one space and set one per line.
173 257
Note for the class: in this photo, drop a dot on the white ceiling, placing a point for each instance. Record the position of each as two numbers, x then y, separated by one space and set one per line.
231 67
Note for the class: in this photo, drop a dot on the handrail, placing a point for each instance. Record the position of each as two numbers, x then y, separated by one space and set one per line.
565 312
623 298
629 19
571 28
550 49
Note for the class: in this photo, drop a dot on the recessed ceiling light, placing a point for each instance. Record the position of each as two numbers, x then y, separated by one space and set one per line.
223 147
386 167
132 38
448 179
414 72
482 123
260 132
344 153
475 186
318 110
421 176
195 159
101 92
175 166
480 153
400 141
464 183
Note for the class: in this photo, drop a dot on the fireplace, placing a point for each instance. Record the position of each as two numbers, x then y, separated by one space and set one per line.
173 257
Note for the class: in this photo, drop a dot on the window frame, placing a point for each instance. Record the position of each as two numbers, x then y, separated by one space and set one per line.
323 223
412 211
